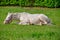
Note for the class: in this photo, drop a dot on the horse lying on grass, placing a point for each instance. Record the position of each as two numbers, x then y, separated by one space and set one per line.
27 18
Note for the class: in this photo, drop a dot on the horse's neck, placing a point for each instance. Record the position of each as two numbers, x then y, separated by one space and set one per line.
16 16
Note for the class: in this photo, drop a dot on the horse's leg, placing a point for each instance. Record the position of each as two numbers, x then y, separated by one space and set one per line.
20 23
23 23
45 22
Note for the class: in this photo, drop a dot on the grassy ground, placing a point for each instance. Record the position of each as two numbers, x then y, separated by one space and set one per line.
30 32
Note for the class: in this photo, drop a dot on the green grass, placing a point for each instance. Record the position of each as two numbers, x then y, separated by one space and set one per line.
30 32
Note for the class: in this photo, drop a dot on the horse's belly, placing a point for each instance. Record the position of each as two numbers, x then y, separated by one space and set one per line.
34 20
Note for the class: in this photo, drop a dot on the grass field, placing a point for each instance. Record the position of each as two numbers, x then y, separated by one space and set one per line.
30 32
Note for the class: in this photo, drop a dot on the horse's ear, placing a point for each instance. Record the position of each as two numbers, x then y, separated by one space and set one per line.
8 12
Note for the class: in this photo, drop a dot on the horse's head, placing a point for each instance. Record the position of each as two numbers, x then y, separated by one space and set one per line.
8 18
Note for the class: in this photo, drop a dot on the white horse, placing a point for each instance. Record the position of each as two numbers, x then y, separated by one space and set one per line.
26 18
